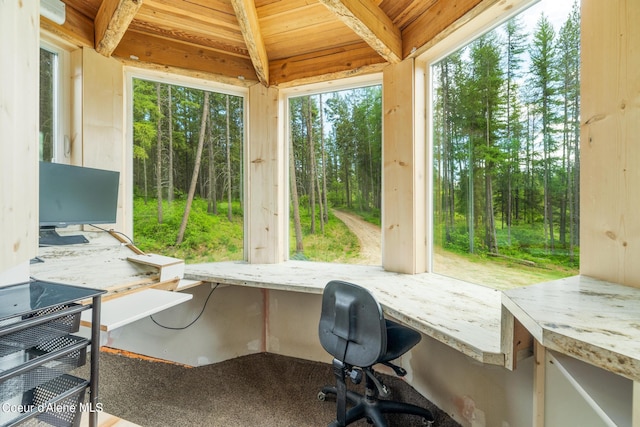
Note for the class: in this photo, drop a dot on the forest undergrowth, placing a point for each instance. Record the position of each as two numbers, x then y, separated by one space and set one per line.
213 238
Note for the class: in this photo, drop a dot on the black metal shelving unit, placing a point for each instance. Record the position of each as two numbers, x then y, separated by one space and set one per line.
38 350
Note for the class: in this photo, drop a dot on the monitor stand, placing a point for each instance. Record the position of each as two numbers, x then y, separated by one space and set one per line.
50 237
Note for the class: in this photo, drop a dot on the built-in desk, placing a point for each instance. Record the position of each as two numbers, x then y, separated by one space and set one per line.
101 263
587 337
585 318
461 315
136 284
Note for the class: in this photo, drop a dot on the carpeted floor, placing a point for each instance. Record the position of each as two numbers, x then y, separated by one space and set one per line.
261 390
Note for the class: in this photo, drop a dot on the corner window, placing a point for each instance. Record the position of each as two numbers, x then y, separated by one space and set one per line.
505 138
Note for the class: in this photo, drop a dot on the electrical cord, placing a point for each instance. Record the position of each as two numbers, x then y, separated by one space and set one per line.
180 328
113 231
151 317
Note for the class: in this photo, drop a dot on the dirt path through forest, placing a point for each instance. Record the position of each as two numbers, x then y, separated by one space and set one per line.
496 275
369 235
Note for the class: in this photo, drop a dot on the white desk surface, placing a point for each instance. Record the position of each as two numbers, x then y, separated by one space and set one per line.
101 264
104 263
592 320
461 315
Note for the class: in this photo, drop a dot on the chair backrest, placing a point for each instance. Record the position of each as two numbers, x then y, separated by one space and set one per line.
352 326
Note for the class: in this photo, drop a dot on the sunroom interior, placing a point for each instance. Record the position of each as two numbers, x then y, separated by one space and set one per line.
538 355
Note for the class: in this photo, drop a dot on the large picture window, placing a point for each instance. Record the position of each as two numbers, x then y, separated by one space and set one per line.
187 171
505 116
335 174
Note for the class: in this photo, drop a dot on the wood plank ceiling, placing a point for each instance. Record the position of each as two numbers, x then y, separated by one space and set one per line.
275 42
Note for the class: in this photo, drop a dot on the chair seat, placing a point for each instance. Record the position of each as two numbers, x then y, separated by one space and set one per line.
400 339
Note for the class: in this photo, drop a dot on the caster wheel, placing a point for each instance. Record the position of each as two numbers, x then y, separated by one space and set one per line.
321 396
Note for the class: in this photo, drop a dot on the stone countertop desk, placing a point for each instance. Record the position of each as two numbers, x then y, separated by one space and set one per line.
591 320
461 315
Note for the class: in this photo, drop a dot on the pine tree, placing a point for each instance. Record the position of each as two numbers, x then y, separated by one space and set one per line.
545 91
514 50
569 70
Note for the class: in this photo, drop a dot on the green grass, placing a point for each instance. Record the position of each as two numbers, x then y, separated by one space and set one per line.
337 244
525 243
211 238
207 237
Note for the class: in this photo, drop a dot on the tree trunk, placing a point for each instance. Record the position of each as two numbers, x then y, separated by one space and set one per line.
491 238
312 165
471 201
325 213
318 180
146 181
196 168
347 187
229 210
159 155
212 205
170 165
294 199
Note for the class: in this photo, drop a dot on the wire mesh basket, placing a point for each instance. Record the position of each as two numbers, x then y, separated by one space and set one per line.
25 369
28 337
55 403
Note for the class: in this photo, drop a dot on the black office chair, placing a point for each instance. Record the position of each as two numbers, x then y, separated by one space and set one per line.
354 330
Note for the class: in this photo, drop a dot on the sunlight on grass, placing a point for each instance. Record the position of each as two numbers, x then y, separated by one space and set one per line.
213 238
338 244
207 238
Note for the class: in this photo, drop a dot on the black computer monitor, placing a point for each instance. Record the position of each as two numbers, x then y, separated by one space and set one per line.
71 195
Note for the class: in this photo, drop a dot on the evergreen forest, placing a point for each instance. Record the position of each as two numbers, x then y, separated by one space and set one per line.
336 161
505 155
187 155
506 119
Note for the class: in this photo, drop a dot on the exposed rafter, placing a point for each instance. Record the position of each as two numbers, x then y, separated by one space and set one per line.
112 21
336 63
248 20
277 43
371 24
158 50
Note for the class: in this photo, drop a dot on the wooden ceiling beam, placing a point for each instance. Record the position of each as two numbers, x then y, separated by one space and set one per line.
169 53
195 74
248 19
172 11
371 24
112 21
325 65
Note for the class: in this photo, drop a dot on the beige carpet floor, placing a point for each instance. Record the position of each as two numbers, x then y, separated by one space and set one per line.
260 390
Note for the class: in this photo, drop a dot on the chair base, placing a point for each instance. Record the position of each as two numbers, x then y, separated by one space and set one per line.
372 409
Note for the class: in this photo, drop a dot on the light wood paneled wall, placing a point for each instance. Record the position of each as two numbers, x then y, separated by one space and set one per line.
610 141
19 44
102 143
266 188
404 184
